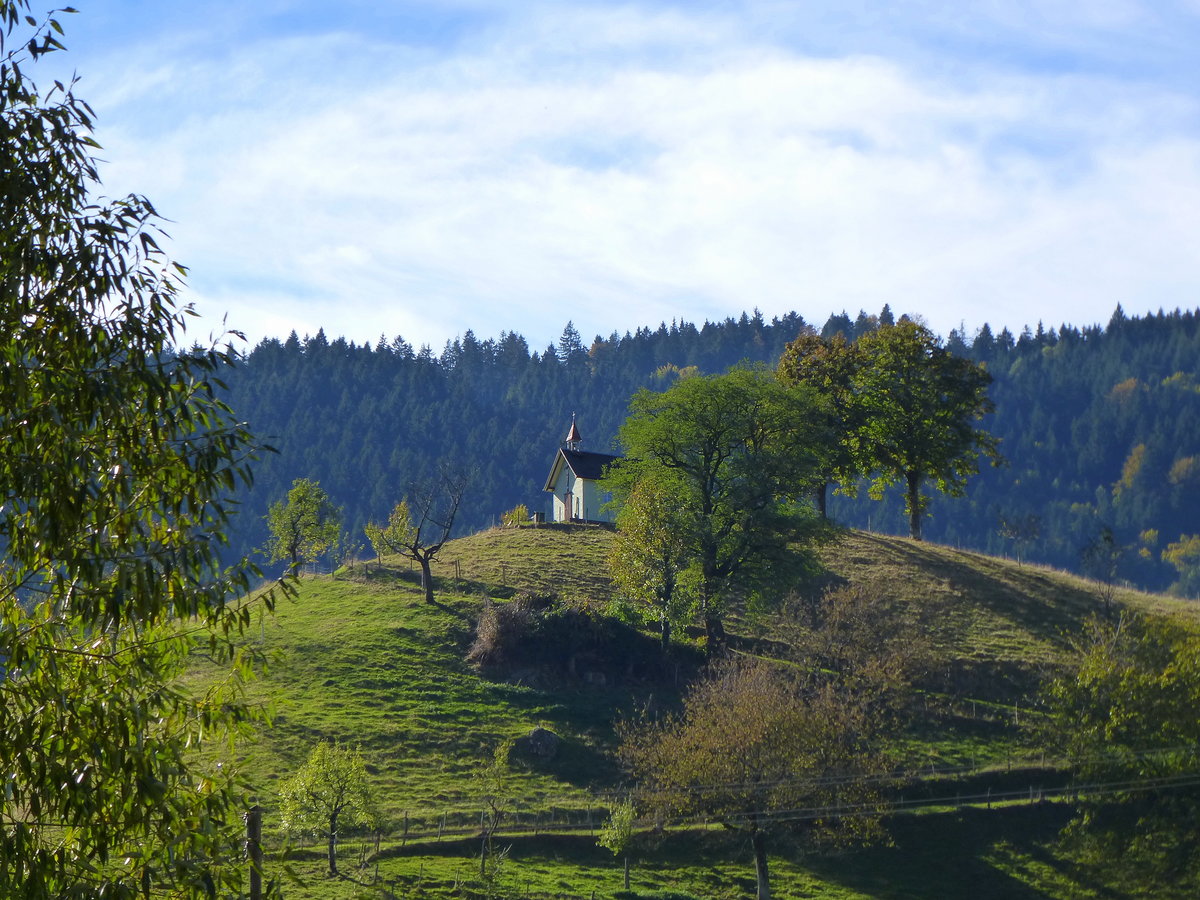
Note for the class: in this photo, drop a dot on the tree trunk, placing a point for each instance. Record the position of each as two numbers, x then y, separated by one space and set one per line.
666 637
427 579
333 817
714 631
627 871
915 508
822 490
714 628
758 840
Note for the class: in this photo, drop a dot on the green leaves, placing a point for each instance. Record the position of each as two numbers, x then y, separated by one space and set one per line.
304 526
327 793
114 483
727 453
1127 718
617 833
918 405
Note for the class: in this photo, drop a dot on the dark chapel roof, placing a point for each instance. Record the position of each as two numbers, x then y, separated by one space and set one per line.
583 464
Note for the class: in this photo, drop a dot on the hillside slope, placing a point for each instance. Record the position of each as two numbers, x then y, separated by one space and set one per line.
361 659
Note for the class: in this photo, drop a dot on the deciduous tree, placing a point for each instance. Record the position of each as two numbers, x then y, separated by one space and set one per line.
650 554
756 749
303 526
493 783
1126 714
618 832
830 366
733 452
117 463
420 526
919 406
1184 555
328 793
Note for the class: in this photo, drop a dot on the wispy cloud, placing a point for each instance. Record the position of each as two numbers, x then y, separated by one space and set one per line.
623 166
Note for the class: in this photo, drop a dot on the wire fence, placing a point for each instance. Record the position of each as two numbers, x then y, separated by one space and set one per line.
900 791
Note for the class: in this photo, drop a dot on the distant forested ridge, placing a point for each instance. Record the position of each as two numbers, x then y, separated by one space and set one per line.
1100 426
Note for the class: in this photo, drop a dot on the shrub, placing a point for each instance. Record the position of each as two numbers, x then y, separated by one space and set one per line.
535 632
515 517
502 629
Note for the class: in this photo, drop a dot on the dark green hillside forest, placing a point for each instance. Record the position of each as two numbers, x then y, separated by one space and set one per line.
367 421
1100 427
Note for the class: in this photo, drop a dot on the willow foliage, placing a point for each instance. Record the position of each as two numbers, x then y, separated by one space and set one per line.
116 467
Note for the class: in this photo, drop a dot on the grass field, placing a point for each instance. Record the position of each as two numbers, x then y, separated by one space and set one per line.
360 659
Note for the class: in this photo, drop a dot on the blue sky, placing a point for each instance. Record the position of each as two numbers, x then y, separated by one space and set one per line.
383 168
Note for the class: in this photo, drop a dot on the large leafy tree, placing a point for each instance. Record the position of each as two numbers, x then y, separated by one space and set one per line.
919 405
830 366
733 452
117 464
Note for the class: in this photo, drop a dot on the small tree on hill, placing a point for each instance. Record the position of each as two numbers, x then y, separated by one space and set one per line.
515 517
328 793
650 554
1101 559
494 785
618 832
420 526
1023 531
303 526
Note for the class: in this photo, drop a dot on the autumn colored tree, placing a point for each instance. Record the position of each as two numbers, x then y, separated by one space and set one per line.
919 406
757 748
829 367
872 645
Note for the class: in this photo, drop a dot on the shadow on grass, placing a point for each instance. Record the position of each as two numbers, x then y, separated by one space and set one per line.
947 856
1048 608
1005 854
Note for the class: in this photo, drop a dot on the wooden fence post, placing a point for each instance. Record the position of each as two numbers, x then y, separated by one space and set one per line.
254 850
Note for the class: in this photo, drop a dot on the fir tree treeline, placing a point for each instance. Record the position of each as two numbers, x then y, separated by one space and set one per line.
366 422
1100 426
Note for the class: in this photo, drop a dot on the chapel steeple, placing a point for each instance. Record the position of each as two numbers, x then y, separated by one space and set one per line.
573 439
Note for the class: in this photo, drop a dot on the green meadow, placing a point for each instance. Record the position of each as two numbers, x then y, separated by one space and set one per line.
359 658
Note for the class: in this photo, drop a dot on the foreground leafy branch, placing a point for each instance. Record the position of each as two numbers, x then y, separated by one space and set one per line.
117 467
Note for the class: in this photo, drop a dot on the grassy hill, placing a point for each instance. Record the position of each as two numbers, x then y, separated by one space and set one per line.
361 659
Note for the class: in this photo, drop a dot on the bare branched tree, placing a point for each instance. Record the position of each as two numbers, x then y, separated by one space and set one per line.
422 523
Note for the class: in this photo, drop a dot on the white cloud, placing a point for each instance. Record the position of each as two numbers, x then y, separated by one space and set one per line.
667 169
